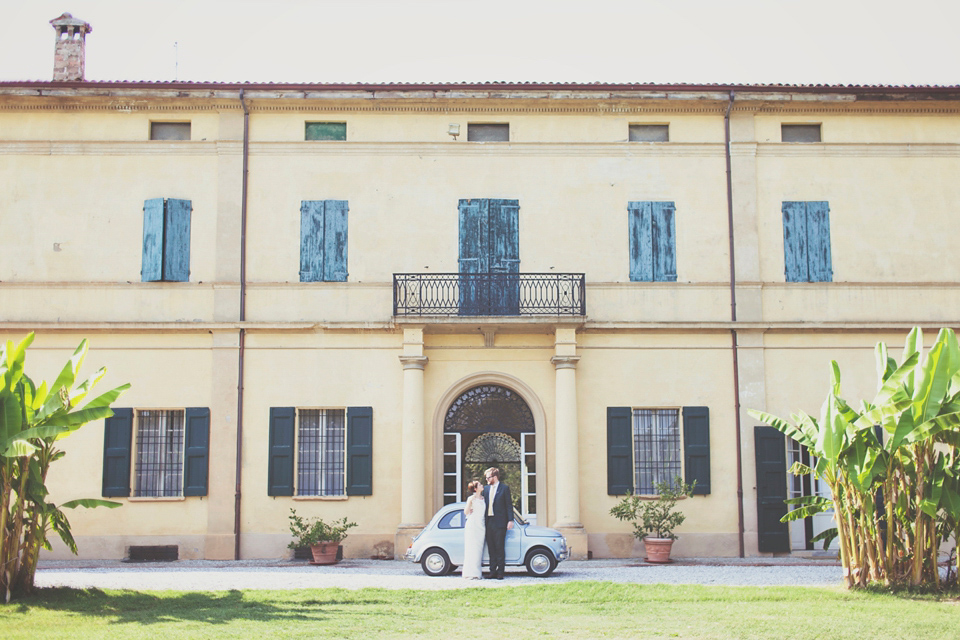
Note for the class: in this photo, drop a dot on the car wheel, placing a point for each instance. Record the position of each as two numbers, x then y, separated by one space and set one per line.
436 562
541 563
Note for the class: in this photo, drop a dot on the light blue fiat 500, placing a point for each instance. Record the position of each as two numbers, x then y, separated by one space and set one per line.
439 547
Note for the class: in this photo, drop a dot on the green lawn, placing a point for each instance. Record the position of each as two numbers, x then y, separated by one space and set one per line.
575 610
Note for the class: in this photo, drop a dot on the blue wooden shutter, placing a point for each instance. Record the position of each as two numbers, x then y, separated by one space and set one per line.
281 441
197 451
641 241
473 235
619 450
773 535
820 263
311 240
359 451
335 241
696 448
504 225
795 264
663 233
151 269
176 240
117 438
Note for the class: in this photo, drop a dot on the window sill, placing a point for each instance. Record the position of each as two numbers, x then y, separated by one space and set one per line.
156 499
320 498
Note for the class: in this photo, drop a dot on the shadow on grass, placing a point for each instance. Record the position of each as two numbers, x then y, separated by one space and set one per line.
144 608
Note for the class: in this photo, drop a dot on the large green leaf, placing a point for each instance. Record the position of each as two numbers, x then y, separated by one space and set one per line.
76 419
782 426
107 398
933 427
912 346
17 448
893 384
80 391
931 388
69 372
15 355
90 503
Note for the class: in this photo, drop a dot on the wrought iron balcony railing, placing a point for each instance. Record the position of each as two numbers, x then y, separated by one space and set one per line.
488 294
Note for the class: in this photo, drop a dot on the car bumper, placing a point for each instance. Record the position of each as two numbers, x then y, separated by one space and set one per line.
410 555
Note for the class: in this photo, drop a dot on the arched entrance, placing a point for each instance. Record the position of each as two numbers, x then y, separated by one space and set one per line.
490 425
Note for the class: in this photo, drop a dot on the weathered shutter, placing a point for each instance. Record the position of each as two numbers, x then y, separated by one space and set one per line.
619 450
335 241
151 269
819 260
359 451
281 441
696 448
641 241
504 250
663 241
773 535
473 235
176 240
196 451
311 240
117 438
795 266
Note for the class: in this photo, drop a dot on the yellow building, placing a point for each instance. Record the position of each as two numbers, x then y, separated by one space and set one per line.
350 299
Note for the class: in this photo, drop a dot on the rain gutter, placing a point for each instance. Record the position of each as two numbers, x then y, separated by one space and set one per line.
243 317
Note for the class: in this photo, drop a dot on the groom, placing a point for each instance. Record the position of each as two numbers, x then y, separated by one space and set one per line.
499 518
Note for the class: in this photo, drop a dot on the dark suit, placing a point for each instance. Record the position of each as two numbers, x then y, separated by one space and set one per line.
497 526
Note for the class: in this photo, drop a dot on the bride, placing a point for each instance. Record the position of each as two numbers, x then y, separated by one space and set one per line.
474 532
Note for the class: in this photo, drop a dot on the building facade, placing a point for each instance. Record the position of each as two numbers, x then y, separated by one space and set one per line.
350 299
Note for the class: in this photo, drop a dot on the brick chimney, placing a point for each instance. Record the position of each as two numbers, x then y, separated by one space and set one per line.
69 49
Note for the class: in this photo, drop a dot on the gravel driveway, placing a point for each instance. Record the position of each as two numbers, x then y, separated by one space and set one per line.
207 575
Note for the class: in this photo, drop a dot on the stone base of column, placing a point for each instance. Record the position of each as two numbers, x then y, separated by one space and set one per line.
576 537
404 536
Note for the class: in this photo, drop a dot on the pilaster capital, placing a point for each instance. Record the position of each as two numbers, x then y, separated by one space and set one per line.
413 362
565 362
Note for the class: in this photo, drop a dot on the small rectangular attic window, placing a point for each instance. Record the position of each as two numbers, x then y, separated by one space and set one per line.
329 131
800 133
649 133
488 132
169 130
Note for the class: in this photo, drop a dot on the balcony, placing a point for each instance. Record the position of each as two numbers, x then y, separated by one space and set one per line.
489 294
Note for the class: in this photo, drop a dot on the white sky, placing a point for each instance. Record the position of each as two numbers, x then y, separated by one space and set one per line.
679 41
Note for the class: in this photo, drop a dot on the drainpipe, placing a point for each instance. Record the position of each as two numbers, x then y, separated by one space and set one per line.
733 319
243 317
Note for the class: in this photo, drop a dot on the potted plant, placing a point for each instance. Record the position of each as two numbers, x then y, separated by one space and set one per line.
323 538
654 519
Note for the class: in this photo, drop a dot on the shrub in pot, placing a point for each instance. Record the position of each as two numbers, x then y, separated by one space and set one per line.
654 518
323 538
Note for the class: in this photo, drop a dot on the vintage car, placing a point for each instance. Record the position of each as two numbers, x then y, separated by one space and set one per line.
439 547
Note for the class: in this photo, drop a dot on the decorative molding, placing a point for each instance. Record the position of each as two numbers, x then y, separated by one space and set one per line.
565 362
413 362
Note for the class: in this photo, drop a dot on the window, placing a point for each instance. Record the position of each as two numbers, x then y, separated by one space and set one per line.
166 240
806 242
644 447
326 131
320 452
170 451
800 133
453 520
169 130
323 240
328 451
649 133
488 132
652 242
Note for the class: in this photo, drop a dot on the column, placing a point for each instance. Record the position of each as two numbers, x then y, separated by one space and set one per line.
412 453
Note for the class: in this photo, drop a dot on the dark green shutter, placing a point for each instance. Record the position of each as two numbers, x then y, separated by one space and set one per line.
117 438
773 535
335 241
311 240
641 241
281 442
795 267
696 448
176 240
151 269
818 242
619 450
196 451
663 230
359 451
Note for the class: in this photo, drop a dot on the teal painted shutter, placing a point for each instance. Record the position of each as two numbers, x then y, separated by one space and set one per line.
359 451
619 450
795 265
197 451
818 242
335 241
176 240
641 241
773 535
117 438
151 269
311 240
504 251
281 441
696 448
663 233
473 234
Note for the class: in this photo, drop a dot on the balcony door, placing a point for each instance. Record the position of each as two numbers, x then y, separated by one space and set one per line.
489 257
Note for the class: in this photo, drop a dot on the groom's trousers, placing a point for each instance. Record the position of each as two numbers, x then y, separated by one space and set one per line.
496 542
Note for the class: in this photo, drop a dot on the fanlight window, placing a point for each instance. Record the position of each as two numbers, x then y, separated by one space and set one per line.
489 408
492 448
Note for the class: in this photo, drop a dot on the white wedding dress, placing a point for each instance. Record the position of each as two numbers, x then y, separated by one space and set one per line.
474 537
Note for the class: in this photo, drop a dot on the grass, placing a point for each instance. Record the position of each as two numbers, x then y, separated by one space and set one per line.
572 610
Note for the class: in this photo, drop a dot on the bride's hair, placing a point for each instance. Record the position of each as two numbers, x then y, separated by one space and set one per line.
472 486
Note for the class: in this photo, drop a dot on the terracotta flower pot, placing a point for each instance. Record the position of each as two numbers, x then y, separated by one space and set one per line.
658 549
324 553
